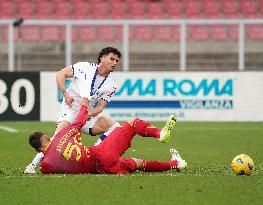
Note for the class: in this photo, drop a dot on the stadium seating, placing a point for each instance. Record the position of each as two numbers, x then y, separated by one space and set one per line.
105 33
62 10
154 10
87 33
199 33
192 10
174 10
30 33
44 10
218 33
135 9
118 10
99 10
7 10
162 33
142 33
255 32
25 10
80 10
51 33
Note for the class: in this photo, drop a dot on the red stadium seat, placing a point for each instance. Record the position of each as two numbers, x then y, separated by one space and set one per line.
118 10
199 33
50 33
4 32
255 32
248 7
44 10
155 10
114 1
232 16
176 32
218 33
174 10
214 16
119 32
233 32
74 33
80 11
25 10
162 33
191 9
211 8
136 10
87 33
95 1
229 7
105 33
142 33
7 10
62 10
260 4
30 33
99 10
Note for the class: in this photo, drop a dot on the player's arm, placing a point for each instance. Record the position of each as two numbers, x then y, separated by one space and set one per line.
103 101
99 108
83 114
61 76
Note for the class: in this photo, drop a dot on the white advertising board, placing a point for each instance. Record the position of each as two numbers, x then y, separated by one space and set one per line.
192 96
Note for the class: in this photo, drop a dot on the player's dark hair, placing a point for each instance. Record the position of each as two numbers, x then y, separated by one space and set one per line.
35 139
108 50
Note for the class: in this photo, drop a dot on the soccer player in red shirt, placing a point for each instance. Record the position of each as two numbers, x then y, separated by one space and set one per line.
65 153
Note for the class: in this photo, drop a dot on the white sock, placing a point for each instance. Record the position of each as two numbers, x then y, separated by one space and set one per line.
105 134
38 158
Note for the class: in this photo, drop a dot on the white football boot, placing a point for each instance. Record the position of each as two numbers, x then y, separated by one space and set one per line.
30 169
166 131
175 156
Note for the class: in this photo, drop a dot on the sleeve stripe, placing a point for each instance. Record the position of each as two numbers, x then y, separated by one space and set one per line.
93 81
72 69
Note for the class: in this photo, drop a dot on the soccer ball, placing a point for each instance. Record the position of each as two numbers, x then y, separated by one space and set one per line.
242 165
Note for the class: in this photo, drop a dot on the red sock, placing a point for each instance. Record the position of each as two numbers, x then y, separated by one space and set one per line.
145 129
156 166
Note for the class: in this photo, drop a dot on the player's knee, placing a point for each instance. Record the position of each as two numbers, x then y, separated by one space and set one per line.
139 163
139 126
131 122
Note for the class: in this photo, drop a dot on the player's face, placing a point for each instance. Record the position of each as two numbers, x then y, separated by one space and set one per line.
110 61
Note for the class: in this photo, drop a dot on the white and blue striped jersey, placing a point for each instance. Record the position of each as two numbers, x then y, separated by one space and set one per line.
87 83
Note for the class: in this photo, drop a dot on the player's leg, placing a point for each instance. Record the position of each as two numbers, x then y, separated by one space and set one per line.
145 129
114 146
103 126
176 162
99 125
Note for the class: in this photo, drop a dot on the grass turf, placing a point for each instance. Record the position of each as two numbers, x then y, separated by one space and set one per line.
207 147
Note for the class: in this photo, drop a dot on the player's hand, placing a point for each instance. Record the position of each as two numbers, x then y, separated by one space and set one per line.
69 99
88 117
30 169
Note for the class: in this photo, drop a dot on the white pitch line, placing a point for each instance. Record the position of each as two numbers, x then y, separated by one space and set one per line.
8 129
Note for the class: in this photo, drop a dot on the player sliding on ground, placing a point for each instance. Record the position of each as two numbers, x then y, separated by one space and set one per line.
66 154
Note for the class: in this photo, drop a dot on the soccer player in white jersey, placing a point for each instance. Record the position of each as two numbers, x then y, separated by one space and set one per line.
94 82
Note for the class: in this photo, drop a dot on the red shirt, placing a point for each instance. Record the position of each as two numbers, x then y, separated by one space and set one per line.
66 154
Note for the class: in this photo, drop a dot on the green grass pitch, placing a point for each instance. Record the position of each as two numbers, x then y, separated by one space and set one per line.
207 147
